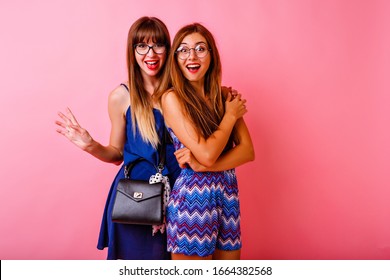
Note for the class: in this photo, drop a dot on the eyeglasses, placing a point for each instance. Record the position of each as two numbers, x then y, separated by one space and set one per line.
143 48
200 50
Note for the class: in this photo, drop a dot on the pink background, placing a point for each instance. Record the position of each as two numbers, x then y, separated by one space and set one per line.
316 76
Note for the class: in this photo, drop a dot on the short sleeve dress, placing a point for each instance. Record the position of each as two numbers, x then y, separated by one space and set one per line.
136 242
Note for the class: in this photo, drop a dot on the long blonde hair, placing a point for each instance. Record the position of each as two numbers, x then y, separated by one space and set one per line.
142 116
205 119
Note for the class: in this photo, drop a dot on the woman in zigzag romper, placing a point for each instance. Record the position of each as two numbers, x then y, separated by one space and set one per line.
210 138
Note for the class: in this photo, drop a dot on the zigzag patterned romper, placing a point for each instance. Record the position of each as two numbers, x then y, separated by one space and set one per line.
203 211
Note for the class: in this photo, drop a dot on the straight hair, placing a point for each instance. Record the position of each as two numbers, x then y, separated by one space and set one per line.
205 119
142 117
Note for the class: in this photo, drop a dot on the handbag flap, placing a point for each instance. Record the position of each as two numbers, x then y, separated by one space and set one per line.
138 190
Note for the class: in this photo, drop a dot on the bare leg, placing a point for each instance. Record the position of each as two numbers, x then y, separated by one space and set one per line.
226 255
185 257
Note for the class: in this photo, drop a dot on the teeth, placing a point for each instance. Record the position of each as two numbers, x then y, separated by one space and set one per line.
193 66
151 62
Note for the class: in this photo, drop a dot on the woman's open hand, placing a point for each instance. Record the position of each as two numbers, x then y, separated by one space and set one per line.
71 129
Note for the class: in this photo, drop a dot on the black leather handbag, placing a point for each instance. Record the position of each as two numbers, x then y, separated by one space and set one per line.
138 201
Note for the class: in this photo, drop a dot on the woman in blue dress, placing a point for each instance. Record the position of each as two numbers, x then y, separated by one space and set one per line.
136 129
211 139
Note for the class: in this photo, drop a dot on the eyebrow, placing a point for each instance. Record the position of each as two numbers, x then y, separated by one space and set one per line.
200 42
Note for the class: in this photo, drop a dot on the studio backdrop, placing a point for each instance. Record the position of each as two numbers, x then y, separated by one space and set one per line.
316 77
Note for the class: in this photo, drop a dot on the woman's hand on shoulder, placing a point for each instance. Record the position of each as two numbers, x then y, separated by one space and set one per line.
226 90
235 105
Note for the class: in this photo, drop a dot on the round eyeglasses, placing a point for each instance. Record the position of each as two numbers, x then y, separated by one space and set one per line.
143 48
201 50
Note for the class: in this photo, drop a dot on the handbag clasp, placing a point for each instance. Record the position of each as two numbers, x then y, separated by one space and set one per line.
138 195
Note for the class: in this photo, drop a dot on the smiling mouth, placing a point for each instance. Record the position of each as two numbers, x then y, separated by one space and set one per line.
152 65
193 67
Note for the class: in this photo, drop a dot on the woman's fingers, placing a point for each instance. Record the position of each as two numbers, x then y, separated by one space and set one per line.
72 117
63 117
183 156
60 124
77 128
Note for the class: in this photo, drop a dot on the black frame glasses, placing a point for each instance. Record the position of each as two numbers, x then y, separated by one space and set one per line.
143 48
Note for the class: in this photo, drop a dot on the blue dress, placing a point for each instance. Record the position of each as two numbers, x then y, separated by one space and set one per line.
136 242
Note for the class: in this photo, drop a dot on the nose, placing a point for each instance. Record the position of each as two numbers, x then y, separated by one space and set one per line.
192 54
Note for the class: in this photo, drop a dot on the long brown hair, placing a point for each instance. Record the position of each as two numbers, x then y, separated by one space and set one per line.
143 29
205 119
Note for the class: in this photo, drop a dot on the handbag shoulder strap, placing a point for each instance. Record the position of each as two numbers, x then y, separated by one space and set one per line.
161 152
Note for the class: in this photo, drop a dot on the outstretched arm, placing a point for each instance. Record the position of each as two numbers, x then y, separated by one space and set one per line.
241 153
207 150
112 153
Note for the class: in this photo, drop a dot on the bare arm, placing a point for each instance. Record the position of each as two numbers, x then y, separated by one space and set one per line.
207 150
240 154
118 102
